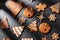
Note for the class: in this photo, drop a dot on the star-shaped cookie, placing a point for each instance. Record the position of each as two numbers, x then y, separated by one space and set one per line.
52 17
55 36
22 20
41 7
41 17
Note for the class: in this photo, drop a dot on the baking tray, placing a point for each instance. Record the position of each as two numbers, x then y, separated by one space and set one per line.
5 12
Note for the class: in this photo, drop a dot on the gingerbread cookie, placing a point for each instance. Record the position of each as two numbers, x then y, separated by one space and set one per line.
27 38
55 8
41 17
52 17
4 23
41 7
28 12
32 0
33 26
17 30
44 28
44 38
11 0
0 24
22 20
55 36
14 7
6 38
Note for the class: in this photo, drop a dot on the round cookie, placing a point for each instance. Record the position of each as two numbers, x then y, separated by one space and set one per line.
28 12
44 28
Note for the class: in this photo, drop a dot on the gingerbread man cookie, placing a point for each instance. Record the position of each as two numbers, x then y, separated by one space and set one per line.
41 7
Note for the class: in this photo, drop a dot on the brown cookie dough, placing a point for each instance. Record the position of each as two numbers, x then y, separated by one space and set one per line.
44 28
28 12
14 7
55 8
